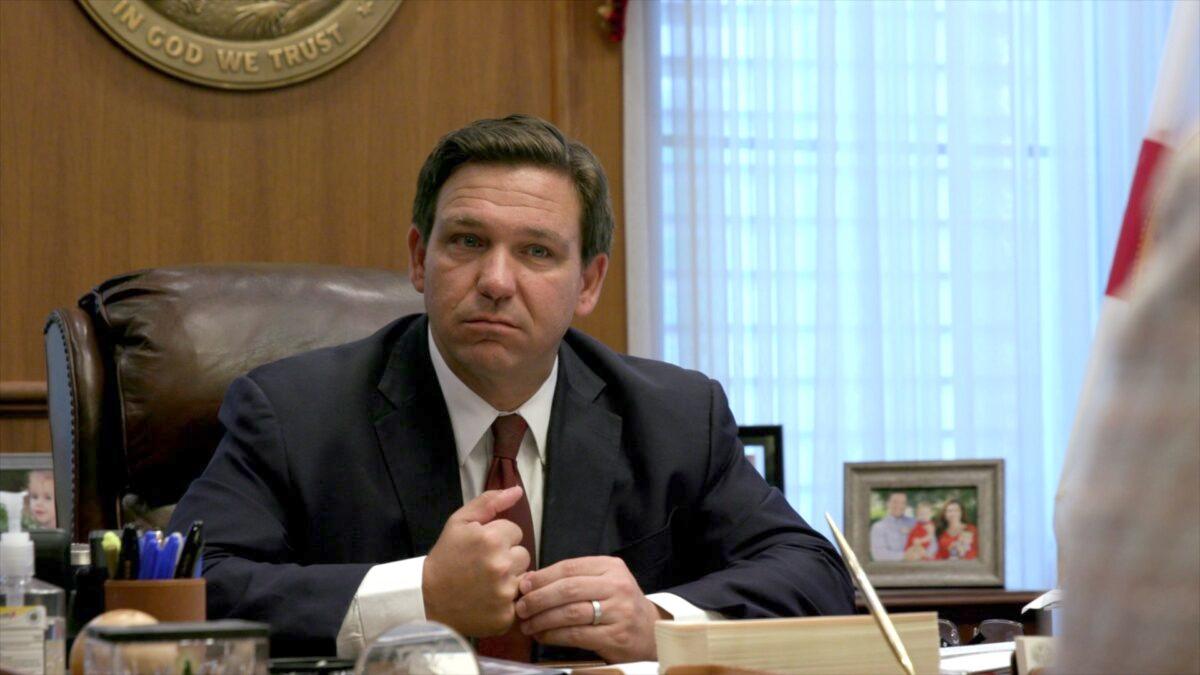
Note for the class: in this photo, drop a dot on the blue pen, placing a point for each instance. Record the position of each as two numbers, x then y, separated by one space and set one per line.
148 548
168 556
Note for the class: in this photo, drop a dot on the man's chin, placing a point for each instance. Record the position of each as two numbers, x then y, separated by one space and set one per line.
489 358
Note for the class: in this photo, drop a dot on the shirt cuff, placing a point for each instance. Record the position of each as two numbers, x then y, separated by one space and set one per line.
682 610
389 595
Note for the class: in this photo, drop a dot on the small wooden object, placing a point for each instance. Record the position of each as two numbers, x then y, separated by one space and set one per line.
808 645
163 599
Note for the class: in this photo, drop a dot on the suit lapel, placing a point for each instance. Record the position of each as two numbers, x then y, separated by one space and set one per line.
584 443
416 439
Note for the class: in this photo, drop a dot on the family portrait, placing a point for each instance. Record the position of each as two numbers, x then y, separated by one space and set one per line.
924 525
927 523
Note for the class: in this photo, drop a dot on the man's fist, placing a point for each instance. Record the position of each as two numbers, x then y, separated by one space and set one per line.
470 576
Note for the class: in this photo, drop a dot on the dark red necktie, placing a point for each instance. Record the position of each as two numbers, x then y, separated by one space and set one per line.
507 432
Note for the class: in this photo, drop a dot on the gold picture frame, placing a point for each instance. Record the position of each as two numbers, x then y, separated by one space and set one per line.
931 543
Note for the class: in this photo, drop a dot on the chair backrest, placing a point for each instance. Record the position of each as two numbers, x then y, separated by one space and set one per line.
137 371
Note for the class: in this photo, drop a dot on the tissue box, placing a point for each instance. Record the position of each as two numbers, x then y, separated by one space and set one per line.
229 647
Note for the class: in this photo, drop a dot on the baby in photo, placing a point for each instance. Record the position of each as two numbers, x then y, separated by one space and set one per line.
922 544
40 499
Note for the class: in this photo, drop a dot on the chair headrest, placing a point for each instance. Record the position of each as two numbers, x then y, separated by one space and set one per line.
177 336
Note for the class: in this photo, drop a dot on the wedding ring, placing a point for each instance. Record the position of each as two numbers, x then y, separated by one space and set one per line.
596 613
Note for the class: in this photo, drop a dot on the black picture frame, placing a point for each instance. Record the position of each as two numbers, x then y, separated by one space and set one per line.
763 446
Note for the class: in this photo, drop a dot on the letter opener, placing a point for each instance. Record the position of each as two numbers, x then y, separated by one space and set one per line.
877 610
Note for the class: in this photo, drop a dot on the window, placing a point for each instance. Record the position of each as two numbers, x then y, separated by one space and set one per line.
887 226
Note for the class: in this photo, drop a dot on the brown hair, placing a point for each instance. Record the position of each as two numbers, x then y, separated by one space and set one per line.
943 523
520 139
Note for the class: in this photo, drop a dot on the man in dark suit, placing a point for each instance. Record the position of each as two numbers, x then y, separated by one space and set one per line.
485 466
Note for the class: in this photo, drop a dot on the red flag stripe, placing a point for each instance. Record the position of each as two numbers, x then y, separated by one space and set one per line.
1135 227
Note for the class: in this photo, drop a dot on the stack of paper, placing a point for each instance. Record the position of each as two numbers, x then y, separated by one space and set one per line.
994 658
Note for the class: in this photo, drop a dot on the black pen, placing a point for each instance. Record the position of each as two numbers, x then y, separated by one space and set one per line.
96 547
192 545
129 562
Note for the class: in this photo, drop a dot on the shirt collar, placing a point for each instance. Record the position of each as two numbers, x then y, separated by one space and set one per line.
471 416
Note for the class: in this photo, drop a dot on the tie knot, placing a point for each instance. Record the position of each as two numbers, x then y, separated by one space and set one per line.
507 432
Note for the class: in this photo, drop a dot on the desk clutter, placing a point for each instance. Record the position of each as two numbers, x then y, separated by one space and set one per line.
136 602
52 590
149 571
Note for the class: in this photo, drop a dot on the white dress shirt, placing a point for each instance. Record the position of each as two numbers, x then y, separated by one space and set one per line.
390 594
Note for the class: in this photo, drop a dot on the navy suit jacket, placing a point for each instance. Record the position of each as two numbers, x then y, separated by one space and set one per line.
341 458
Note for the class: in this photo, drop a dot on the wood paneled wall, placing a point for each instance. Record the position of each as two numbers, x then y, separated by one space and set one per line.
107 165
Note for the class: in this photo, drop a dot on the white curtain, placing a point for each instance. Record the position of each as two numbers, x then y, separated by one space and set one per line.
886 225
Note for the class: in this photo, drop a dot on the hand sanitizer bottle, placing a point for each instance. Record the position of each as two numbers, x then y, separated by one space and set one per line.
32 612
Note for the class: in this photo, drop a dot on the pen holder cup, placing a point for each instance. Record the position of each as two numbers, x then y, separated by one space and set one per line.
163 599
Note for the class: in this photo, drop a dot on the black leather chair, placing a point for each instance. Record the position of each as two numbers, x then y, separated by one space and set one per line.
137 371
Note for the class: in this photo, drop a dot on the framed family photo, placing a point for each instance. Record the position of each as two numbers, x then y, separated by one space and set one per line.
927 524
31 476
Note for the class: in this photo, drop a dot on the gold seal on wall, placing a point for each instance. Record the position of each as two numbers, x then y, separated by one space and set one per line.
242 44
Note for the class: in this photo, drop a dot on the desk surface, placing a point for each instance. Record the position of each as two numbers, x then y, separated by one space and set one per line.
965 607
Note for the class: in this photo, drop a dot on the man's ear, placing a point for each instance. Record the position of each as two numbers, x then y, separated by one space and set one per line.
416 258
593 280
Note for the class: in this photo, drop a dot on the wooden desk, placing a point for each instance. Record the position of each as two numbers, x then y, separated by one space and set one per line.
966 607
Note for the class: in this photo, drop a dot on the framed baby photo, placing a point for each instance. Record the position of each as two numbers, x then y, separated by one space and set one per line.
27 484
927 524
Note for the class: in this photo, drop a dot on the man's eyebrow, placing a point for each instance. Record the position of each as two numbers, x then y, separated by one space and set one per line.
463 221
544 234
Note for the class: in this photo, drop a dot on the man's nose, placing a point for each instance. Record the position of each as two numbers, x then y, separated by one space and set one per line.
496 281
